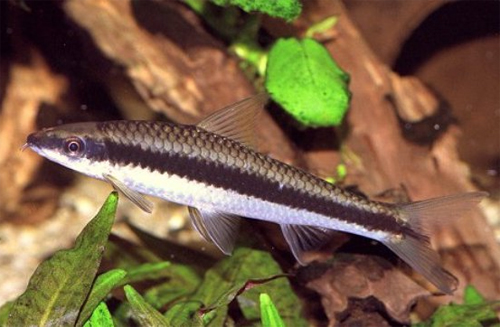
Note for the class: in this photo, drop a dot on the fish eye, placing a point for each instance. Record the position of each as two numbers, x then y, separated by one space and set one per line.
74 146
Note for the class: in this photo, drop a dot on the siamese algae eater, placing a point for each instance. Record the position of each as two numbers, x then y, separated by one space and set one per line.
214 169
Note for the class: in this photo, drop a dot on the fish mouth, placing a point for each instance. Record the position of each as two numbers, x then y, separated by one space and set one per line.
32 142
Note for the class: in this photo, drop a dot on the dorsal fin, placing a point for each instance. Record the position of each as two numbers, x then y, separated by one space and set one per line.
236 121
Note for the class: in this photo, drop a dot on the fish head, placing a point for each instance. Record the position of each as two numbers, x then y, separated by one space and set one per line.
76 146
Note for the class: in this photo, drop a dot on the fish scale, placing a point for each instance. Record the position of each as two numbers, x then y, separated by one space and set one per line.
285 184
214 170
189 141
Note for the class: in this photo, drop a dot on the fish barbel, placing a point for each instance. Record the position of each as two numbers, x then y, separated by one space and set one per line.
214 169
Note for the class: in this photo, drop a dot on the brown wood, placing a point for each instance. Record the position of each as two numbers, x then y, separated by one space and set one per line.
388 161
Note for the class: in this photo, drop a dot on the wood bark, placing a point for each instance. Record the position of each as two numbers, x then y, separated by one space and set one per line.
388 161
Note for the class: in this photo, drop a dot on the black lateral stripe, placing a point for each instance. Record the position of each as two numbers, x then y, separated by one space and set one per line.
252 185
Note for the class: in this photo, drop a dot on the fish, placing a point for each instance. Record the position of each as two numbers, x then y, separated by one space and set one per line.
214 169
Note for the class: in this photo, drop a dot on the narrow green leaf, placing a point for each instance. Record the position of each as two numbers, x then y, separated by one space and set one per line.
60 285
261 265
143 312
101 317
269 314
286 9
305 80
103 284
186 314
4 312
243 276
147 271
182 281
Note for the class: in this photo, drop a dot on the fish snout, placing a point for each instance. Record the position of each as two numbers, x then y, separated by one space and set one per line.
39 140
33 141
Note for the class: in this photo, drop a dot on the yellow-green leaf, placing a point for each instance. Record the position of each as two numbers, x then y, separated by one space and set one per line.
143 313
60 285
103 284
100 317
269 314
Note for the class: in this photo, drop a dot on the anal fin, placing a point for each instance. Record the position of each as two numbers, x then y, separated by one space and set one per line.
217 227
136 198
305 238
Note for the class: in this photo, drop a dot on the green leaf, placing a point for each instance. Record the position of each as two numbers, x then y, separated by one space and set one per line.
185 314
100 317
4 312
259 265
467 315
147 271
182 281
243 276
305 80
103 284
143 312
472 296
286 9
474 312
60 285
269 314
197 5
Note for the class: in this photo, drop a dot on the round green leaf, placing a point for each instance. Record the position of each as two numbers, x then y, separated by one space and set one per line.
305 80
286 9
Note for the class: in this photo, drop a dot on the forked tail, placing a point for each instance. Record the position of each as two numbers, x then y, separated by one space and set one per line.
422 215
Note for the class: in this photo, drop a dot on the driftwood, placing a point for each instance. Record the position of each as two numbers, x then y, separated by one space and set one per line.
30 84
178 69
388 161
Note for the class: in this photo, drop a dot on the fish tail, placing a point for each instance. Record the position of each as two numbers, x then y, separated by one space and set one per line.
414 248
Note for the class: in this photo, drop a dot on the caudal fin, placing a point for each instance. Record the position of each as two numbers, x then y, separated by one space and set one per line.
415 250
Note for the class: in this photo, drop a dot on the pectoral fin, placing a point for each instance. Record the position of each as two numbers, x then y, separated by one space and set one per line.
136 198
216 227
304 238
